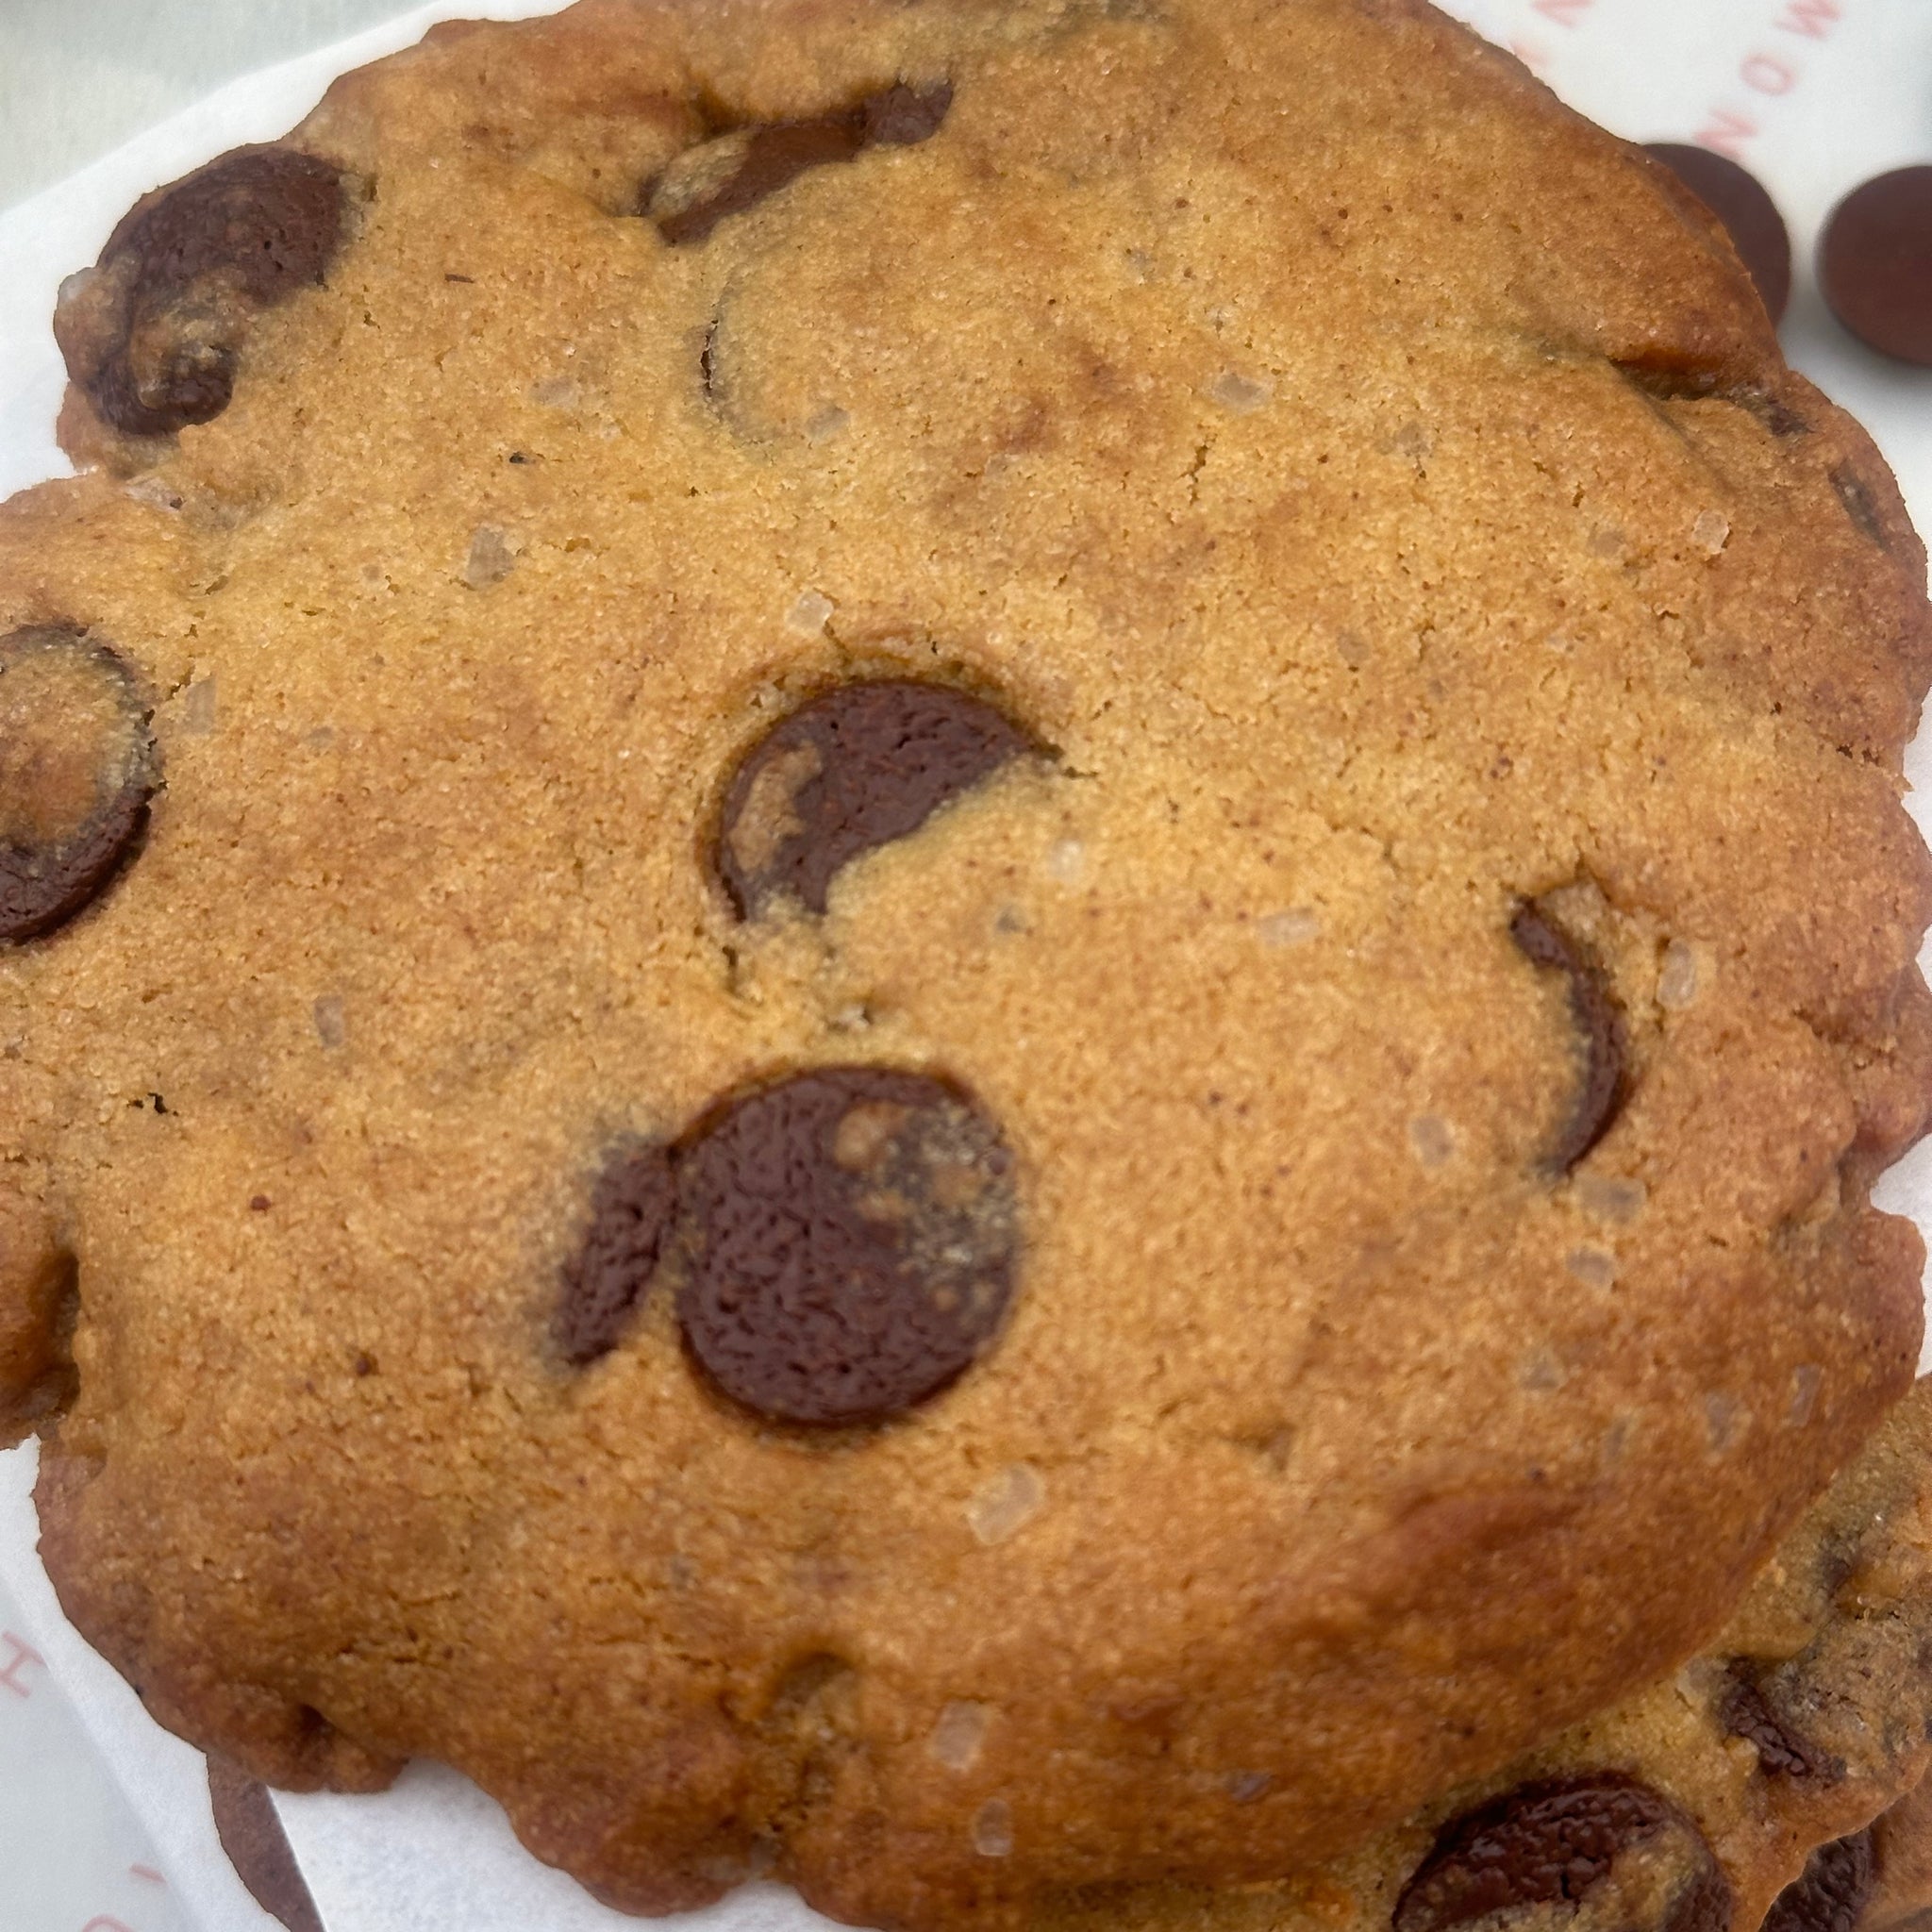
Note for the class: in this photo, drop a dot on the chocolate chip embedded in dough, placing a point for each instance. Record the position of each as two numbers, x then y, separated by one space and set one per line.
1746 1712
748 165
1874 263
1739 200
864 764
77 768
252 1836
1558 1845
154 333
1830 1894
1599 1025
631 1211
850 1238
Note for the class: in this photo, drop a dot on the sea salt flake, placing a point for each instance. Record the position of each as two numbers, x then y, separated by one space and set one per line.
1677 979
1296 927
493 556
992 1829
810 614
960 1734
1005 1502
1241 394
1431 1140
1712 532
1593 1267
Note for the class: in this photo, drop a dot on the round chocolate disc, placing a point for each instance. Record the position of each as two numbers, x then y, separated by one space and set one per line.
853 1234
1739 200
77 772
1829 1894
1874 263
866 763
185 273
1538 1852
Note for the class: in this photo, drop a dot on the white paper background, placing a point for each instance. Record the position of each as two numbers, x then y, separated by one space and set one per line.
1814 95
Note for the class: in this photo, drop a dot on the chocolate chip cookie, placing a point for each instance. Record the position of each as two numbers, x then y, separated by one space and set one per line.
1740 1791
956 948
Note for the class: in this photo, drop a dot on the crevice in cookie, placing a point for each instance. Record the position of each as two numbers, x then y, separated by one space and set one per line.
744 164
1665 382
1860 506
1600 1028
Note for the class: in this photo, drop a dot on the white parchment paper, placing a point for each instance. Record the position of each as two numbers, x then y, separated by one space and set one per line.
1813 95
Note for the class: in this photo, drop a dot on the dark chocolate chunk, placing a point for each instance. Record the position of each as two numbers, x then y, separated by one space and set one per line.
851 1238
1552 1844
77 768
256 1846
1874 263
863 765
631 1211
1746 1712
155 337
747 165
1737 199
1830 1894
1599 1024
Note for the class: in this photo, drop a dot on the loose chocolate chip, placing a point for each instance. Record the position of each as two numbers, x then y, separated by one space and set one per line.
852 1235
745 167
1874 263
1552 1844
1830 1894
863 765
76 770
256 1846
630 1215
1746 1712
1737 199
156 338
1598 1022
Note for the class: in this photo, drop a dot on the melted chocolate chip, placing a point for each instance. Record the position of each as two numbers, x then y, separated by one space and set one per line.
748 165
76 770
1830 1894
1737 199
1553 1845
863 765
155 338
1746 1712
851 1235
631 1212
1599 1022
1874 263
256 1846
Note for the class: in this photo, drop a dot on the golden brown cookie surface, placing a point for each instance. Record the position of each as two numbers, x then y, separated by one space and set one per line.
1352 1115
